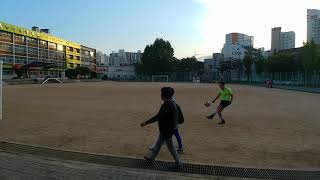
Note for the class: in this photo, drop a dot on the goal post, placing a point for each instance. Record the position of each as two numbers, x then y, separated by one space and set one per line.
160 78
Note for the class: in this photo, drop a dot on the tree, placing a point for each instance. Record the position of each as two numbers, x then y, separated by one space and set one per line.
93 75
260 66
248 62
158 57
282 62
225 66
237 65
190 64
83 71
310 56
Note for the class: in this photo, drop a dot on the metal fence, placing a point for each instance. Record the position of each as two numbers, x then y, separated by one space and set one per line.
147 77
303 81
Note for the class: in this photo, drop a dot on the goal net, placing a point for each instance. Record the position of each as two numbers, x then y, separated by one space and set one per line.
160 78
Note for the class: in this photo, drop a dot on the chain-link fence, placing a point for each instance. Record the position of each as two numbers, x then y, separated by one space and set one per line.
303 81
158 77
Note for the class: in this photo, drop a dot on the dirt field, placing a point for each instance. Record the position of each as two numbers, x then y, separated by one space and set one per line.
265 127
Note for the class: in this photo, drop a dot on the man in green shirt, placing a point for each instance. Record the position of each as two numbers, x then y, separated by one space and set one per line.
226 96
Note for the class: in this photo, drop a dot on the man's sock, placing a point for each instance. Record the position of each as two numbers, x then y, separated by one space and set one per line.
221 118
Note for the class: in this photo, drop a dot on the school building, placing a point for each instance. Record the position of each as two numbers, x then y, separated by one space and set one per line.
40 52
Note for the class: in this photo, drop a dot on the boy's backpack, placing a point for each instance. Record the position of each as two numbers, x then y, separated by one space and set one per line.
180 115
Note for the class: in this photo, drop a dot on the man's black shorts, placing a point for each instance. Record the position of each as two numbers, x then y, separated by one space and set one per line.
224 104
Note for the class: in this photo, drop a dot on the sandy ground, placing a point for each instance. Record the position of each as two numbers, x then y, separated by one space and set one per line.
266 128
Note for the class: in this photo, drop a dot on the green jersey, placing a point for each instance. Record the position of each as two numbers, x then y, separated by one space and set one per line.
225 94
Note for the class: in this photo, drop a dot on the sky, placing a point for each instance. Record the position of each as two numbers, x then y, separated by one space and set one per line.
192 26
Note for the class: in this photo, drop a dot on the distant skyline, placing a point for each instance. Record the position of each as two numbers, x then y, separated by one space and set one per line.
192 26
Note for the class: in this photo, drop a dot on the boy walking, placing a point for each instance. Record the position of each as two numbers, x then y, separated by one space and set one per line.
167 121
176 132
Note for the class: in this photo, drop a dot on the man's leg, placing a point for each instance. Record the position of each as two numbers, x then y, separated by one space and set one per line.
152 147
156 150
216 112
221 118
178 137
173 151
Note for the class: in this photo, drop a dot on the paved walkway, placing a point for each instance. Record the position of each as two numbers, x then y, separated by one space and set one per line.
26 167
21 161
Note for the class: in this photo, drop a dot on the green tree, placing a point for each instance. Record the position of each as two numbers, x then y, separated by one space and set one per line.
282 62
93 75
237 65
248 61
83 71
310 56
260 66
190 64
225 66
158 57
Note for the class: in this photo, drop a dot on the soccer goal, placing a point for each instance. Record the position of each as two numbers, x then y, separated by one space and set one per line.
160 78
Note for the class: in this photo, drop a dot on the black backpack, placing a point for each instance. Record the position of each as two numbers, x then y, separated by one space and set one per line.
180 115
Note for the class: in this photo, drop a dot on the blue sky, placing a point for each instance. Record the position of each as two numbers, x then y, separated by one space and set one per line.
190 25
112 24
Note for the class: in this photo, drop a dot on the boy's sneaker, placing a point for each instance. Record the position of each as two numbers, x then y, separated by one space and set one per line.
209 117
180 151
222 122
148 159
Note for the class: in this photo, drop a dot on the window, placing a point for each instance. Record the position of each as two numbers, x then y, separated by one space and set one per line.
20 50
43 54
21 60
33 52
70 48
52 55
32 41
52 46
31 60
5 36
70 56
19 39
78 50
43 44
78 58
61 55
60 47
4 47
6 59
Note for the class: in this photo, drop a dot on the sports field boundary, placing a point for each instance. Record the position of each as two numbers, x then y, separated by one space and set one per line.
164 166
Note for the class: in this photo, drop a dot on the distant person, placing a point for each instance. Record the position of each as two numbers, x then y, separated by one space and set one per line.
226 96
167 118
269 83
176 131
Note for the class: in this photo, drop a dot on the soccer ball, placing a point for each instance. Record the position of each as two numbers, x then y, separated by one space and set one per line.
207 104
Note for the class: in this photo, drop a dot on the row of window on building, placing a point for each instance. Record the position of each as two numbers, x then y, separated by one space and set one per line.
6 48
9 59
22 40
